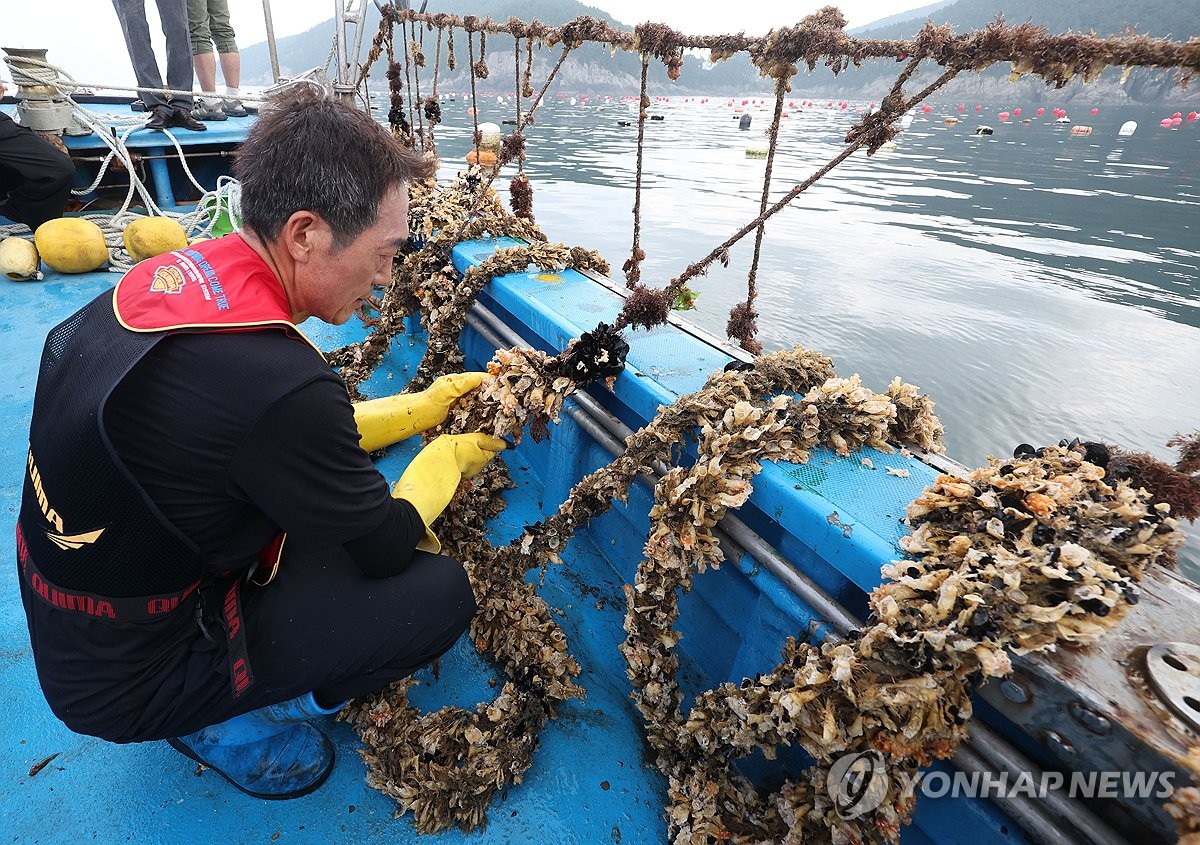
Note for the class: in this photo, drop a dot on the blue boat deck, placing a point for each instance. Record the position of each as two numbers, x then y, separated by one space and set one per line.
589 782
835 520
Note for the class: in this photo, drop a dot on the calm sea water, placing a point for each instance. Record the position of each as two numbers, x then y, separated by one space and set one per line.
1036 284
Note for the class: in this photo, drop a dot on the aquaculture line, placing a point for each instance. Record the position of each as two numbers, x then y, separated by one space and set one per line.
1041 549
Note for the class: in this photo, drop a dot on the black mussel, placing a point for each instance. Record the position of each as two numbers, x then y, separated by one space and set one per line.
1024 450
1095 606
1042 535
1096 453
981 620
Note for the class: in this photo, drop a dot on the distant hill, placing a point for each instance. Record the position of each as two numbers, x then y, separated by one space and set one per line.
592 69
903 17
1175 19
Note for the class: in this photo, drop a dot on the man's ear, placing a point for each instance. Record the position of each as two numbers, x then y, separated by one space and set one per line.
303 234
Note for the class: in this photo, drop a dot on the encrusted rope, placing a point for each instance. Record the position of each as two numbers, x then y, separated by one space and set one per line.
517 92
476 137
632 266
418 59
743 319
947 615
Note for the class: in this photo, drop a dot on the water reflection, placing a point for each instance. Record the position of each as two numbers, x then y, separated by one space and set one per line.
1036 284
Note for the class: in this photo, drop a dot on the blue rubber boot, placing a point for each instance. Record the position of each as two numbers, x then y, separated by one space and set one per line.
271 753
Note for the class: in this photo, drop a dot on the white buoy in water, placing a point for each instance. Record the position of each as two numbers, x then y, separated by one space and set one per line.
1127 128
489 136
573 101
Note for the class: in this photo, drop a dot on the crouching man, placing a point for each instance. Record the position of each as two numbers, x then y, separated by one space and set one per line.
207 554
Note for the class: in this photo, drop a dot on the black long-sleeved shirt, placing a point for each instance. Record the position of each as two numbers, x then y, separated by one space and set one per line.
229 467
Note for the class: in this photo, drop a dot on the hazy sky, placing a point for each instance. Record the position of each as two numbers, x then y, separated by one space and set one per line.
84 38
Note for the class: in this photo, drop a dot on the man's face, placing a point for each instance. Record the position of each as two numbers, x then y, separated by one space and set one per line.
336 281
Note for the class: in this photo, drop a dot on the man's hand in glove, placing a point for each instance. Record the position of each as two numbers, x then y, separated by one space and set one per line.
382 422
430 480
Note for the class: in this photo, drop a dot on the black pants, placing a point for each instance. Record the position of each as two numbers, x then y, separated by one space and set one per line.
34 175
324 627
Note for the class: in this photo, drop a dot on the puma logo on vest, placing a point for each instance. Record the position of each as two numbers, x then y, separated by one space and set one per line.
63 541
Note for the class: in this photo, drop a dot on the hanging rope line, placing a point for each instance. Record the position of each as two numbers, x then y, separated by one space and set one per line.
632 265
517 93
418 62
476 137
743 319
411 89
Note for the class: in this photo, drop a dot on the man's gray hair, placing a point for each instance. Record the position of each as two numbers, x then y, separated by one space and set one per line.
307 152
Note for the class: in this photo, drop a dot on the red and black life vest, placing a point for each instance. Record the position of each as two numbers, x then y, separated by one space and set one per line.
89 539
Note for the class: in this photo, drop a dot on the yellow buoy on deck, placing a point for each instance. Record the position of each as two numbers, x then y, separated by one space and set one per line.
71 245
19 259
151 236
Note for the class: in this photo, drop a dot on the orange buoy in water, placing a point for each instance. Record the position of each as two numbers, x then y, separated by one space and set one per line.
961 107
979 108
486 157
1095 111
1003 115
1177 114
1165 123
1016 112
470 111
927 108
1039 112
1193 115
1175 121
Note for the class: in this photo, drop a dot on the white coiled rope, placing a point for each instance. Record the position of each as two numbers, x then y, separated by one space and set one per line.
198 223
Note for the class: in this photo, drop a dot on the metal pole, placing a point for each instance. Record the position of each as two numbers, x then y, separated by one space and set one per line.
360 24
271 39
340 89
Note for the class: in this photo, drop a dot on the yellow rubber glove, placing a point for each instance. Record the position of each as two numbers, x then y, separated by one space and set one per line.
382 422
433 475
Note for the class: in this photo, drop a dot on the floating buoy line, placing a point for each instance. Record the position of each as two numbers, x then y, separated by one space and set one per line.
1042 549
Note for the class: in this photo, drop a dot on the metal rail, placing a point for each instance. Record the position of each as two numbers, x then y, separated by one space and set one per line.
1052 821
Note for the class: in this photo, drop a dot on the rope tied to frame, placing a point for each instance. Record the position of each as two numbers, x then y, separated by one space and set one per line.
632 265
743 319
